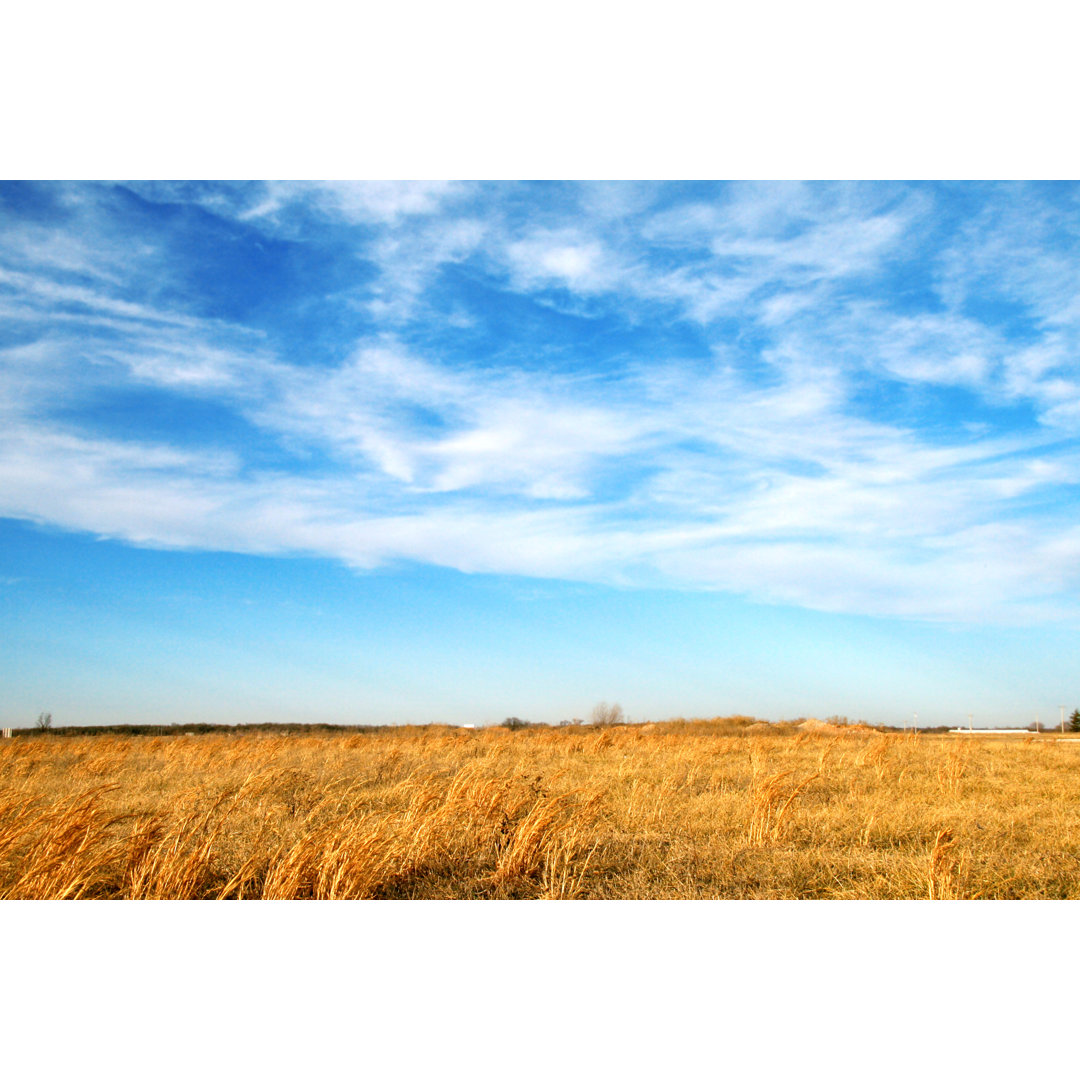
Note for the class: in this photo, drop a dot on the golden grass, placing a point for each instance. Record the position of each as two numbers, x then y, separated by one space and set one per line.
720 809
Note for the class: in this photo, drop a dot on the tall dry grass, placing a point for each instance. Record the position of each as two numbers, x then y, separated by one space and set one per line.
686 809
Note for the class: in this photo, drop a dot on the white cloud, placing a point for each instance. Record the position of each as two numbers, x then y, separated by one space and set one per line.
752 466
358 201
408 259
40 297
564 258
871 518
477 429
271 202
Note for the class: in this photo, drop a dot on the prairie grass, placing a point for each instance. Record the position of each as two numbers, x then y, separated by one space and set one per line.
687 809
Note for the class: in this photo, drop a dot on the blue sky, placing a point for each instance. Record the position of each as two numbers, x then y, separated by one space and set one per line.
452 452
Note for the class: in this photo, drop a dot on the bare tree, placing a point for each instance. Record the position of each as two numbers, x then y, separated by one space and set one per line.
44 721
604 715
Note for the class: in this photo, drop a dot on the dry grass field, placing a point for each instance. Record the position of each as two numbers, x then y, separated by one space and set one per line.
686 809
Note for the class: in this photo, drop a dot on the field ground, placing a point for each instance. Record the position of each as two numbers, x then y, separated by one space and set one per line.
726 809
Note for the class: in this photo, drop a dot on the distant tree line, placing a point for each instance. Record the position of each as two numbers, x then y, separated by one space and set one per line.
603 715
192 729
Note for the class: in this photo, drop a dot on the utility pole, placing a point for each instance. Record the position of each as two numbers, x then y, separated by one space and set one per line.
969 723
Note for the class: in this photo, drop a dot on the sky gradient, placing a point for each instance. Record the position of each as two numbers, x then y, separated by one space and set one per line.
372 452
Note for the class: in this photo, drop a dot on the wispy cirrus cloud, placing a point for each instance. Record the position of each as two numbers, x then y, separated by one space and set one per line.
806 394
271 203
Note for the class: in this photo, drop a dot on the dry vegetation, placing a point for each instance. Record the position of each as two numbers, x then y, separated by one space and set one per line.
725 809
